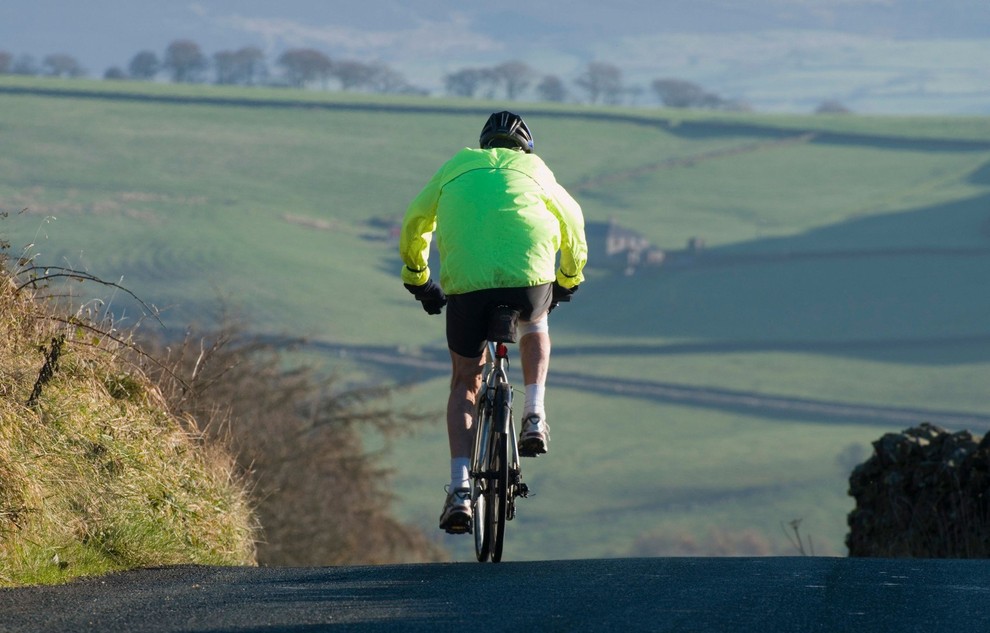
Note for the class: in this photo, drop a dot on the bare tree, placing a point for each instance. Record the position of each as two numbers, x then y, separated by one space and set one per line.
145 65
383 79
323 497
678 93
25 65
244 67
466 82
490 81
391 81
832 106
376 77
251 65
304 65
353 74
551 88
6 61
62 65
225 67
115 73
514 76
602 82
185 61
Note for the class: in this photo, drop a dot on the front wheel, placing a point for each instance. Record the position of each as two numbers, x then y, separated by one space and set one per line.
499 498
482 535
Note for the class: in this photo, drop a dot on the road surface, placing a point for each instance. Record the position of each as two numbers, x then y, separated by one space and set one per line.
650 594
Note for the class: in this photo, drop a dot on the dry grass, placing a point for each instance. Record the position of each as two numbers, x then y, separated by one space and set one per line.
213 450
321 496
95 474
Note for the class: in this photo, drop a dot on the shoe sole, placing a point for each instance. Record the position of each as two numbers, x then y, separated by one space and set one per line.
457 523
532 447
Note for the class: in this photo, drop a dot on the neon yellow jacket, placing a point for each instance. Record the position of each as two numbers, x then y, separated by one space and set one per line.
500 217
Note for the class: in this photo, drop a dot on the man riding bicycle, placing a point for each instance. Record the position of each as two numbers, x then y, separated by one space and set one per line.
500 217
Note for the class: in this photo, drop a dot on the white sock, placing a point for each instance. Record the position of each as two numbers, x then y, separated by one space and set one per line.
459 476
534 400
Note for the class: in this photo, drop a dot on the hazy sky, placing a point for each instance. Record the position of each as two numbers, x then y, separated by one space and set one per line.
714 42
105 32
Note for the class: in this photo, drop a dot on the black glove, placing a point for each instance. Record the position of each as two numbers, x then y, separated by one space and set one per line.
560 294
430 295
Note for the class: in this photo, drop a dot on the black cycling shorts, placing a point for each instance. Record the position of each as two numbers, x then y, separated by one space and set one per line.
468 314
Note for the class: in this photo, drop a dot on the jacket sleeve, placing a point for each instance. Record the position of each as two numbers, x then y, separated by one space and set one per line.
573 244
418 225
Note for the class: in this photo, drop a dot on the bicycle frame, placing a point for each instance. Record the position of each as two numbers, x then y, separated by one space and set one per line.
495 467
495 372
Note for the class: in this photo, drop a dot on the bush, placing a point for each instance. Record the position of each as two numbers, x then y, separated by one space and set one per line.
322 499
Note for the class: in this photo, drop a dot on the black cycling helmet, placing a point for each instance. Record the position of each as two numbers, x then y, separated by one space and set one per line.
505 129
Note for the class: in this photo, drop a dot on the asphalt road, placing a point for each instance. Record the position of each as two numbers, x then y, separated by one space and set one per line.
656 594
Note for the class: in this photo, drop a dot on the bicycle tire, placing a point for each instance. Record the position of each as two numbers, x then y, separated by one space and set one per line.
482 537
482 484
499 505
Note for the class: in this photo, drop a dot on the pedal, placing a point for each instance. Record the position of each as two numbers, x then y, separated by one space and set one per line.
458 524
532 447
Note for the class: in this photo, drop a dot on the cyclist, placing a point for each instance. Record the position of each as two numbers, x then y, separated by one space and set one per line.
500 218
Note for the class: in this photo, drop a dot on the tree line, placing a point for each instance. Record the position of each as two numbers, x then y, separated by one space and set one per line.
183 61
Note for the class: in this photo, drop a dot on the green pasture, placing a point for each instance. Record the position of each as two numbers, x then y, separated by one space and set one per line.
846 261
629 478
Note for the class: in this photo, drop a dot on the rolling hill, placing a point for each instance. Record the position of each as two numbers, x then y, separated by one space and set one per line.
837 261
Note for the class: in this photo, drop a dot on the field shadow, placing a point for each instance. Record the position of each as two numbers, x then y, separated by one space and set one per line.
901 287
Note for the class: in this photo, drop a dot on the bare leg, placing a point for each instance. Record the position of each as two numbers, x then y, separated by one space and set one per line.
534 352
465 382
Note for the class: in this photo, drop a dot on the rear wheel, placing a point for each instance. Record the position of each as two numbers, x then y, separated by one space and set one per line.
499 498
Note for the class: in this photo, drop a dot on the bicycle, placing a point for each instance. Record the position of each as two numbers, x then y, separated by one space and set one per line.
495 473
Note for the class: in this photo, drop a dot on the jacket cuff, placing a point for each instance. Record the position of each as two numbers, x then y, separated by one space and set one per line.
414 277
568 281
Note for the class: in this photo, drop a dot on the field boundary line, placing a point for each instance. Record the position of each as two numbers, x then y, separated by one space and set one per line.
430 363
671 124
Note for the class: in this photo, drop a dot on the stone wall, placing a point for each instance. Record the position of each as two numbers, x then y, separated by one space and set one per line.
924 493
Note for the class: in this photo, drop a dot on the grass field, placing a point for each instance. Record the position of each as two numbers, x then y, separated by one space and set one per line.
846 262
